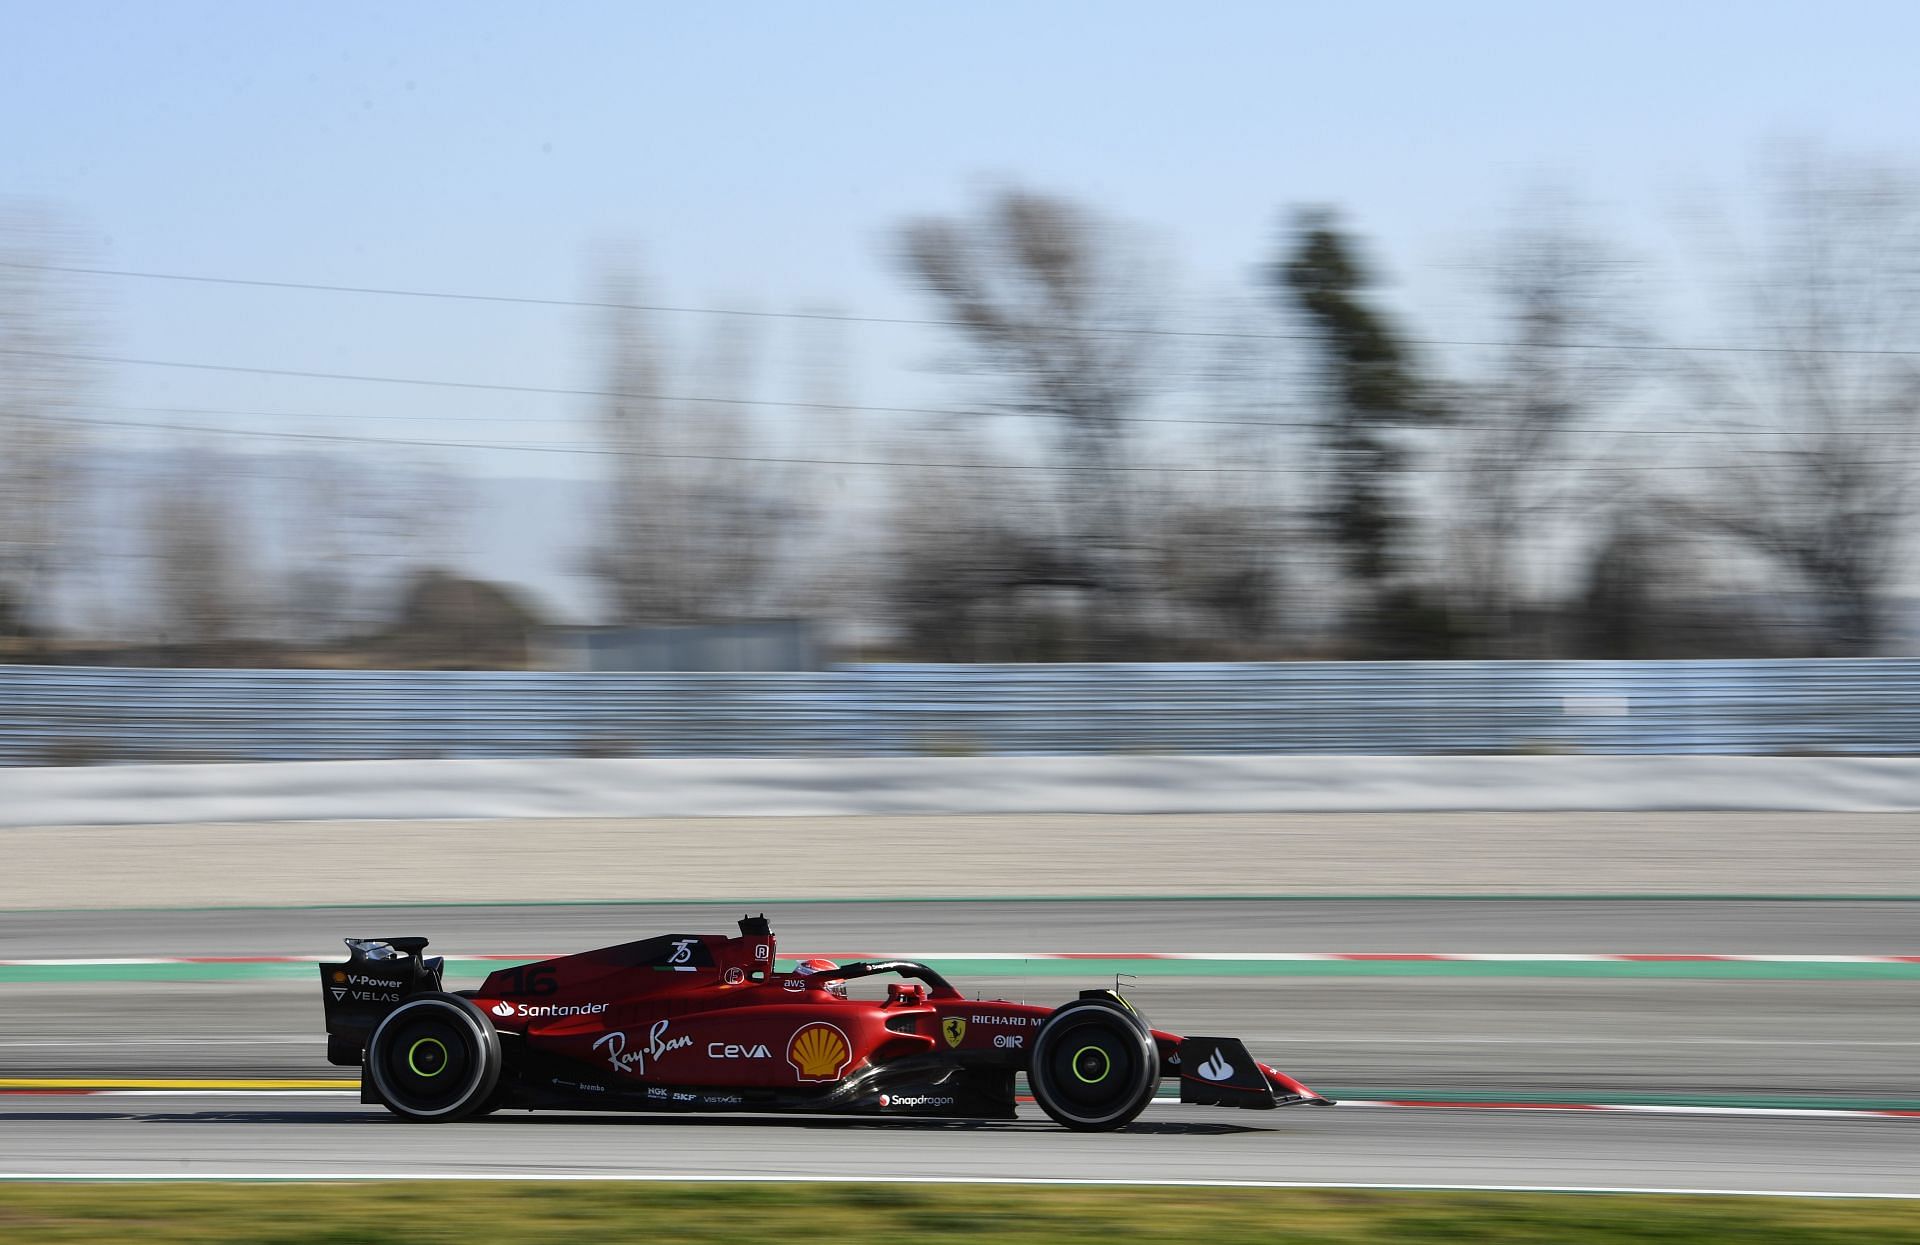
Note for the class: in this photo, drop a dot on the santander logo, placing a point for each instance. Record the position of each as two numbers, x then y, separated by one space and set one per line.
547 1011
1216 1068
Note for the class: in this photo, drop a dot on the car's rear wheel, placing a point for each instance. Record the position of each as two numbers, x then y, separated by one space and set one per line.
1093 1065
435 1057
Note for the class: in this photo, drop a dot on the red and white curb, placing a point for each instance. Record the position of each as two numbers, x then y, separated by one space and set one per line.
1628 1108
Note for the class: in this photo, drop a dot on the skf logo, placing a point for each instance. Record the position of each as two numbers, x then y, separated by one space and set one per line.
953 1028
819 1052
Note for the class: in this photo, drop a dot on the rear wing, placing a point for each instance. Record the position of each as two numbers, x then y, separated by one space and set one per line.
357 993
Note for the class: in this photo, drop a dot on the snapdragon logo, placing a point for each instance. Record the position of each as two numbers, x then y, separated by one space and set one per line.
915 1100
532 1011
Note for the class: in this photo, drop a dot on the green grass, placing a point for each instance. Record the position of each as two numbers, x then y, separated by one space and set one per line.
400 1213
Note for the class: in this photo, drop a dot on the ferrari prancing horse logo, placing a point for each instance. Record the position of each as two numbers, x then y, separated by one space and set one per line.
953 1028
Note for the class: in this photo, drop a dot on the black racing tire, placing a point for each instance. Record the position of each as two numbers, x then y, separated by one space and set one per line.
435 1058
1093 1066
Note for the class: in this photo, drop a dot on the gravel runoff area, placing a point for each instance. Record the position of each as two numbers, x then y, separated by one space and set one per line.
545 860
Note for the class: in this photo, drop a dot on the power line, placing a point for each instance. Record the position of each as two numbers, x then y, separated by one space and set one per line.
330 416
666 308
783 404
1199 421
602 452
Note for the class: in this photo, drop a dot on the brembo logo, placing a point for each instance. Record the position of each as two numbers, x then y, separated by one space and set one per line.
529 1011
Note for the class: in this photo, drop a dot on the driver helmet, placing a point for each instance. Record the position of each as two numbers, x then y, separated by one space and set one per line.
815 965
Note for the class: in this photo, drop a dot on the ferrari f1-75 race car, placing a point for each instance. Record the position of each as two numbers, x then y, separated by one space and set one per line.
689 1022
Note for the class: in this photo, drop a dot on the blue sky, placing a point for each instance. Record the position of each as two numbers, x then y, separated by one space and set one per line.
759 155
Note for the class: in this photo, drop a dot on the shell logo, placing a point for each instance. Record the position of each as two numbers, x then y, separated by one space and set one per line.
819 1052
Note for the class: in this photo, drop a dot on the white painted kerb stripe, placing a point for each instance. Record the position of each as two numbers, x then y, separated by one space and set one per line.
761 1178
1439 1104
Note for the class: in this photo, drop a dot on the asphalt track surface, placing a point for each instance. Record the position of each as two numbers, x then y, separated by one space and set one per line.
1765 1043
221 1136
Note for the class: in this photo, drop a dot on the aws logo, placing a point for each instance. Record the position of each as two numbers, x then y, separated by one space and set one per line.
819 1052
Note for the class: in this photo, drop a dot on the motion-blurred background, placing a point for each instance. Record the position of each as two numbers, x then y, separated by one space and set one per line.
1388 525
425 337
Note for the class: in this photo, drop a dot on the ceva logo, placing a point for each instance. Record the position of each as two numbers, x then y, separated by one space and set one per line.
732 1050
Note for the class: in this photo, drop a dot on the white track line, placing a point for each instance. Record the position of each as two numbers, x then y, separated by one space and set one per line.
1439 1104
269 1177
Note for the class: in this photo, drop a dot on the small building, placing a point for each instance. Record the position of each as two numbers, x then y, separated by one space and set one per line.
766 645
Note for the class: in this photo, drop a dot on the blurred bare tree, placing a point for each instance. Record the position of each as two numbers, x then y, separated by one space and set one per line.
355 530
1528 425
1055 310
202 587
44 320
690 528
973 570
1217 578
1821 484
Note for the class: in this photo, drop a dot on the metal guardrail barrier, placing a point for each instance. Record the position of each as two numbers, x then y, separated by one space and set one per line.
71 714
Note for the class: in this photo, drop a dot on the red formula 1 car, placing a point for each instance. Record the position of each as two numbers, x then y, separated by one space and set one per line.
706 1023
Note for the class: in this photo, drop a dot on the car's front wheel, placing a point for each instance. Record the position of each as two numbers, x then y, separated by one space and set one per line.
1094 1065
435 1057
